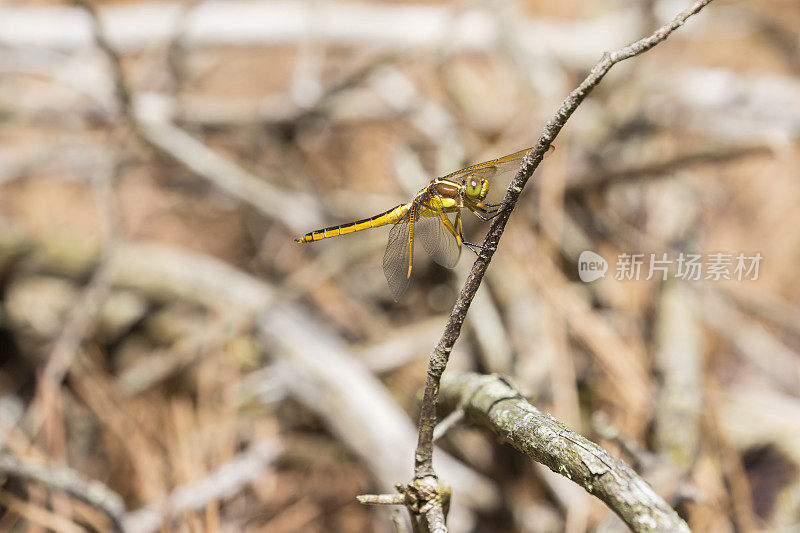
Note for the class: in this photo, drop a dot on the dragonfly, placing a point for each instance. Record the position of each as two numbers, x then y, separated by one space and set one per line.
426 218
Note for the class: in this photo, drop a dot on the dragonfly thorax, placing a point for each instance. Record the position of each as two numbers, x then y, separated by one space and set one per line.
445 188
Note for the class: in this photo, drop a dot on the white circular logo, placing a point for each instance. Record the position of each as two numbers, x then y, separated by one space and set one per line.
591 266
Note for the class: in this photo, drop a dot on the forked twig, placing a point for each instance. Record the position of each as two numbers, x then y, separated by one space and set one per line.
439 357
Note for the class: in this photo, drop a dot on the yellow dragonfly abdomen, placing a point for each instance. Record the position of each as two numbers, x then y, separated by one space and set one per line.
387 217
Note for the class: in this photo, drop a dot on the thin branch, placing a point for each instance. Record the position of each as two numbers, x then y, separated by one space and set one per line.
491 402
440 355
70 482
448 423
381 499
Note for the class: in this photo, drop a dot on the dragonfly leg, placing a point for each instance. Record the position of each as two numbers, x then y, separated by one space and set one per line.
486 215
476 248
501 204
449 225
472 246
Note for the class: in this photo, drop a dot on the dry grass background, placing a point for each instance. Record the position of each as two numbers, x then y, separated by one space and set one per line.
210 364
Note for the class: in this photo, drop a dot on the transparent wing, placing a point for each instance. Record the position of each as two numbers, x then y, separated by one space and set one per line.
398 258
499 172
440 243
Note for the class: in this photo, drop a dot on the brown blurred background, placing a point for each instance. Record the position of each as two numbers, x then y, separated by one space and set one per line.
161 333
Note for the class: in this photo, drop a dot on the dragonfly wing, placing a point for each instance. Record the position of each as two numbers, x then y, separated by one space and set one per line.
399 255
498 172
440 243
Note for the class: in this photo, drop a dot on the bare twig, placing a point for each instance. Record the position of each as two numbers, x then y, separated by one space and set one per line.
448 423
401 345
440 355
381 499
70 482
491 402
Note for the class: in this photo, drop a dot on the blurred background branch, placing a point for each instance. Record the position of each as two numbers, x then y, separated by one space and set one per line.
216 376
69 482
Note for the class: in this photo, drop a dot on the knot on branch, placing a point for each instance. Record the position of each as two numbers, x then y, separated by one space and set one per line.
419 496
422 494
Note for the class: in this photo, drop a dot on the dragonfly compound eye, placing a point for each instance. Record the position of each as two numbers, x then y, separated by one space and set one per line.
484 188
473 188
477 189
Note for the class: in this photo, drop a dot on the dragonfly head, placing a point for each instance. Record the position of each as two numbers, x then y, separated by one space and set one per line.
475 188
